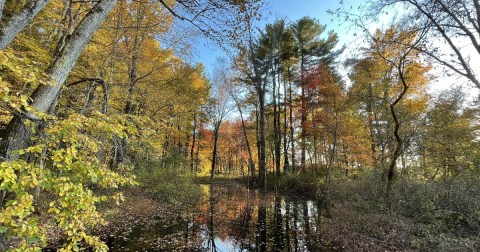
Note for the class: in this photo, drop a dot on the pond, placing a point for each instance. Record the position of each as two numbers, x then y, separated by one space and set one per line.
232 218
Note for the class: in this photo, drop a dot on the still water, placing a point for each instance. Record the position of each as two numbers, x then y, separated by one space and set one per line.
232 218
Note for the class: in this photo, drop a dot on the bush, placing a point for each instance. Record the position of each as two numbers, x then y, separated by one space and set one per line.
303 184
173 186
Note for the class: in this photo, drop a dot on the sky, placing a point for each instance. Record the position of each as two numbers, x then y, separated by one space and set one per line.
207 52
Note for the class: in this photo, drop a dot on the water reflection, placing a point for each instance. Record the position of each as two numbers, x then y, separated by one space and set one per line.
232 219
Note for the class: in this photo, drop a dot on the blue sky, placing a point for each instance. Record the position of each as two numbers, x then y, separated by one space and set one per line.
207 52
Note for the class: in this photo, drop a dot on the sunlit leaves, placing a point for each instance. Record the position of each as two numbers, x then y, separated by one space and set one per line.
70 151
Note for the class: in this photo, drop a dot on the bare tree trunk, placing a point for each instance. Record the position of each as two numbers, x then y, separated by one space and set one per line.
214 154
303 126
251 164
261 154
2 4
292 133
197 158
371 128
194 137
276 122
315 146
398 147
334 148
14 25
286 164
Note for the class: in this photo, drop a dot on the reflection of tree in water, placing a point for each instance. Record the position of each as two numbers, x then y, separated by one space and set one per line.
262 227
295 226
287 225
211 234
306 223
240 226
278 228
234 219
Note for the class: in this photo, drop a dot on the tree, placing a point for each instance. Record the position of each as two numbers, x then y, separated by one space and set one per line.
403 76
13 23
251 164
273 42
250 68
218 107
310 49
16 134
452 21
449 137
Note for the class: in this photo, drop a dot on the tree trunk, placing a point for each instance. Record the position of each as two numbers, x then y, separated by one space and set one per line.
303 121
197 158
214 154
398 147
2 4
14 25
371 128
286 164
276 135
261 154
251 164
292 132
334 148
194 135
16 134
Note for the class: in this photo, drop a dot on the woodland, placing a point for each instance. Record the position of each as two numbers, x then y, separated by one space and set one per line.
105 121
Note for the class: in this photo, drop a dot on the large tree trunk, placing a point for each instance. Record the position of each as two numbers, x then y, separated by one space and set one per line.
16 134
2 4
261 143
15 24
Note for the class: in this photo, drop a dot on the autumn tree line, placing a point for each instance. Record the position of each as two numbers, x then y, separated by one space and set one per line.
95 93
303 117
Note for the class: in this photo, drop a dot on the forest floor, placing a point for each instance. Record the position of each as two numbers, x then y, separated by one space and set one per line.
138 208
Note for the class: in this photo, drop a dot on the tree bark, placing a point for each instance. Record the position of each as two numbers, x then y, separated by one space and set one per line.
303 119
214 154
371 128
276 122
251 164
2 4
10 28
261 150
17 133
194 137
292 132
398 147
286 164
